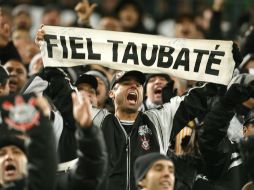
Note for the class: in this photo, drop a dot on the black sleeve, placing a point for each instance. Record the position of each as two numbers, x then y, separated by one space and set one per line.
193 106
59 91
8 52
215 31
214 145
92 161
42 161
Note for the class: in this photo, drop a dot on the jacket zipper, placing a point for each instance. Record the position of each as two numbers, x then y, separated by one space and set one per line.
128 152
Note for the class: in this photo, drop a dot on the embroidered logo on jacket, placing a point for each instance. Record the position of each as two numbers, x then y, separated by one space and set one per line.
22 115
144 133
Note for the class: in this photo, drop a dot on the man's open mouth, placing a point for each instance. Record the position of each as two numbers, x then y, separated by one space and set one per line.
13 83
158 90
132 97
10 169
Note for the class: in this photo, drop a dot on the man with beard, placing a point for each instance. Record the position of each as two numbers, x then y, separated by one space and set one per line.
17 73
130 133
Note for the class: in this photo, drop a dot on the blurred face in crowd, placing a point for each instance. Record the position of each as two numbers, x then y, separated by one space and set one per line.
22 21
18 75
27 50
159 177
110 23
13 164
90 91
154 89
4 88
129 16
19 35
102 93
248 129
52 18
5 25
127 95
186 29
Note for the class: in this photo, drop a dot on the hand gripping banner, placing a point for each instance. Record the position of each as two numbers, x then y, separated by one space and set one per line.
199 60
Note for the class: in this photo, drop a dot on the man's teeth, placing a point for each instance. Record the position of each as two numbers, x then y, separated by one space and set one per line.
165 183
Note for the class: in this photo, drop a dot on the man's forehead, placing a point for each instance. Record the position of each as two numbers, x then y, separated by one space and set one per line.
84 85
14 64
12 147
164 162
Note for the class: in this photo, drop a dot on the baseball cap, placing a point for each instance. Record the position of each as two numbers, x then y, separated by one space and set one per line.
150 75
4 75
145 162
88 79
119 76
101 75
249 118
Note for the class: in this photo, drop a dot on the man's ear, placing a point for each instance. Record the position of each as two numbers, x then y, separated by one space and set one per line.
111 94
142 184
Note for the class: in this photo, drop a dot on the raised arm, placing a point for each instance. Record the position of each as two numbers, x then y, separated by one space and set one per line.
214 144
92 155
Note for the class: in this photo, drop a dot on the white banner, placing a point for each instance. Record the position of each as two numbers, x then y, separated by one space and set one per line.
200 60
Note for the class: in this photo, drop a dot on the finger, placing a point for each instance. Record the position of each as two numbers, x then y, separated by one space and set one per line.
86 3
78 7
40 34
74 99
86 100
43 105
90 11
93 6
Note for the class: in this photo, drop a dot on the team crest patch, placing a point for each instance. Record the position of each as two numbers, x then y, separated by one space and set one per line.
22 115
144 133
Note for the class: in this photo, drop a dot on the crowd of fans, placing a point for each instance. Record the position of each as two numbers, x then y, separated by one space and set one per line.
92 127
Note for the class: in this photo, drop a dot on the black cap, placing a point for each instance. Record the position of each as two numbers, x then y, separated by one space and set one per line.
88 79
167 77
249 118
145 162
150 75
8 138
119 76
4 75
101 75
